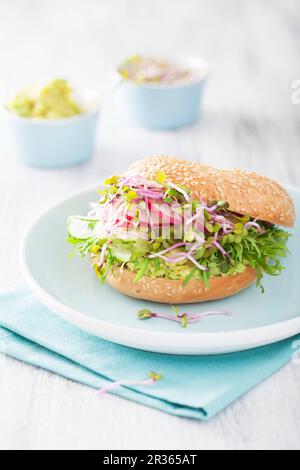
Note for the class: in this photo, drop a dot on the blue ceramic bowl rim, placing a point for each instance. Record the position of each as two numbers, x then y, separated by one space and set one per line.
52 122
199 63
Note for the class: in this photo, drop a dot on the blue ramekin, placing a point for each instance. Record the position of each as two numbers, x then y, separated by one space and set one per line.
54 143
166 107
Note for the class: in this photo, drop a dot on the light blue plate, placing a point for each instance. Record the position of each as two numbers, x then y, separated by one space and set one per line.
70 289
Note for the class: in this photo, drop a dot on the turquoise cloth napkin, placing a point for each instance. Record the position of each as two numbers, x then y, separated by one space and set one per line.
193 386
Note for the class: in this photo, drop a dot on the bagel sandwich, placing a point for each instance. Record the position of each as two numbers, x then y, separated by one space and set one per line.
176 231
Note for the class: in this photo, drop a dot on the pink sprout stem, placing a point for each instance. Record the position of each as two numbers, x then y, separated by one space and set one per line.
166 316
253 224
188 317
121 383
177 245
193 318
194 217
150 193
102 255
199 266
220 248
180 190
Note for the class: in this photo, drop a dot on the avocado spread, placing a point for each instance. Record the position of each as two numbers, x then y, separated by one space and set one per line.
53 101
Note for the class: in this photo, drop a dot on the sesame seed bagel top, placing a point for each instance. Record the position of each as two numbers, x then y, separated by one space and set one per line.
246 193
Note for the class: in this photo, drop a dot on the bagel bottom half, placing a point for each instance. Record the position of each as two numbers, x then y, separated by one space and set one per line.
173 292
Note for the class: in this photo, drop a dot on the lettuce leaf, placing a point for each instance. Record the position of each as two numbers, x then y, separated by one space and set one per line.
261 251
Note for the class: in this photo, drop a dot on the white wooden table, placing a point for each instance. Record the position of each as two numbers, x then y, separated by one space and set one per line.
248 121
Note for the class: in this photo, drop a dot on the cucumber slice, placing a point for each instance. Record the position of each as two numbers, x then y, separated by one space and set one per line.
121 253
84 227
